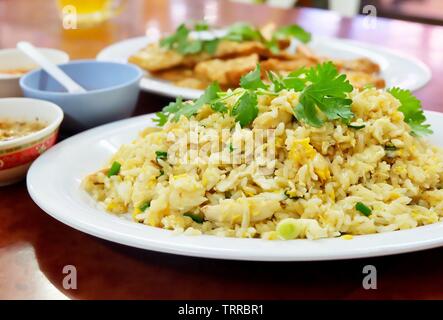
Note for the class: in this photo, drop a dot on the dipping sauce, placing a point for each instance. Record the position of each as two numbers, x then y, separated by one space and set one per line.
12 129
16 72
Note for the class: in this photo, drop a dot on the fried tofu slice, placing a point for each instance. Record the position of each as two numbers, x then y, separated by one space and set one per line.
278 65
361 65
193 83
182 77
154 58
174 74
228 49
226 72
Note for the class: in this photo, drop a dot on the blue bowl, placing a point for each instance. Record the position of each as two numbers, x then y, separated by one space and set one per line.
112 92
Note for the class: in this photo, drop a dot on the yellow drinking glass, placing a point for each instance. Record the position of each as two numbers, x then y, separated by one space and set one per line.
87 13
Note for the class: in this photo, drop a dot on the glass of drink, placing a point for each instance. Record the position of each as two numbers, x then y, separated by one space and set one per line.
87 13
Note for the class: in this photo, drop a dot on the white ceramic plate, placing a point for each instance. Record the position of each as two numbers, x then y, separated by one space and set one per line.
54 184
397 69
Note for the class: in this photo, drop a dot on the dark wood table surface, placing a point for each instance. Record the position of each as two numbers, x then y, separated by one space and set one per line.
34 248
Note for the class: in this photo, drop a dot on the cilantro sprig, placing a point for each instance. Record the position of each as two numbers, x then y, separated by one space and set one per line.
326 94
186 108
323 96
412 110
182 42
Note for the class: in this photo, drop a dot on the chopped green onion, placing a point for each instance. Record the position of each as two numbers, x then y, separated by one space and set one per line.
390 147
368 86
231 148
290 197
144 206
289 228
363 209
161 155
194 217
356 126
115 169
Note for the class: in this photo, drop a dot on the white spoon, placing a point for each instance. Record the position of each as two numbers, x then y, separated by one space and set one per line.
70 85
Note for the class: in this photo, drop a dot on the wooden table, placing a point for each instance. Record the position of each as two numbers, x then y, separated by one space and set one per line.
34 248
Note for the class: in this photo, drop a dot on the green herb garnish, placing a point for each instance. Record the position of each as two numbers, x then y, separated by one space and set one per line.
390 147
363 209
325 96
115 169
231 148
183 44
412 110
286 193
181 41
293 31
245 110
188 108
163 155
243 32
289 228
144 206
252 80
356 126
194 217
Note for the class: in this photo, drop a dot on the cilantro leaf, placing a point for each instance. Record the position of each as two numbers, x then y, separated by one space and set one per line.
210 46
201 26
326 93
293 31
246 110
219 107
243 32
412 110
161 119
180 41
179 37
209 94
295 80
273 45
252 80
190 47
276 80
188 108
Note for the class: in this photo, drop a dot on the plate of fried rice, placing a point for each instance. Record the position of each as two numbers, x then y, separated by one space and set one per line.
299 168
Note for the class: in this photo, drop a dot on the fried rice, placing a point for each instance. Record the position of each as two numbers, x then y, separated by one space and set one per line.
316 175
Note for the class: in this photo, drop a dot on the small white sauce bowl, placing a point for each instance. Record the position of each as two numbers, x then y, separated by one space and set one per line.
16 155
13 59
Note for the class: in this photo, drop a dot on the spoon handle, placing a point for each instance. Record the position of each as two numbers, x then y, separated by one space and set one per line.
50 67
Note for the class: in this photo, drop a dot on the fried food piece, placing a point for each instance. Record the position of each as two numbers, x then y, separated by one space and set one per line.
278 65
360 79
362 65
174 74
154 58
192 83
229 49
226 72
